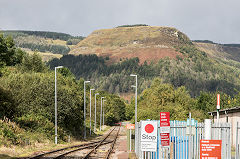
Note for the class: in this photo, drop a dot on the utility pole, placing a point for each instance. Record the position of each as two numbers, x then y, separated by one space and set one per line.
95 124
135 112
101 114
56 102
85 108
90 111
103 111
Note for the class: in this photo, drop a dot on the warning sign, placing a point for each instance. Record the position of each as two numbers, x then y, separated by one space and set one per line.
165 139
210 149
165 129
130 126
164 119
149 136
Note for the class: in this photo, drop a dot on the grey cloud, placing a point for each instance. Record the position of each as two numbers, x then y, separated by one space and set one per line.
216 20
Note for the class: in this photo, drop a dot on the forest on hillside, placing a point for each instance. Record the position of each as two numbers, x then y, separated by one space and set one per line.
42 41
196 72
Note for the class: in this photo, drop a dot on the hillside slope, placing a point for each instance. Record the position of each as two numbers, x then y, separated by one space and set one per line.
148 43
176 60
224 51
48 44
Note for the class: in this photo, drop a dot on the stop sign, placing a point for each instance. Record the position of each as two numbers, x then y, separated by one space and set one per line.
149 136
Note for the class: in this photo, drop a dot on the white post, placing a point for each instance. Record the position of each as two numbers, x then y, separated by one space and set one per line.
208 129
84 109
95 117
218 108
90 111
130 140
56 102
190 135
101 114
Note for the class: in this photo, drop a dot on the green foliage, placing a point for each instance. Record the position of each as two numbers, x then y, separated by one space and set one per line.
44 34
164 97
115 109
9 55
33 63
38 40
74 41
195 71
7 104
34 93
56 49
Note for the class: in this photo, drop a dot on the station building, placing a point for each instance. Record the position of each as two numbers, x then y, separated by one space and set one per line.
229 115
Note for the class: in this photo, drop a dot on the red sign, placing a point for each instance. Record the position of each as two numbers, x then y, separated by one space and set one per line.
165 128
164 119
210 149
130 126
165 139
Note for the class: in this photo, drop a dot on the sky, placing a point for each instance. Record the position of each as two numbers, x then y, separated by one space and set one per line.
215 20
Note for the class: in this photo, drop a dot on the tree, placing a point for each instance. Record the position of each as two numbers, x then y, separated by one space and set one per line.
9 55
33 63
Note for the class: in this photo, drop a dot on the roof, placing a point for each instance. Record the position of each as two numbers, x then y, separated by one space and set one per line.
227 110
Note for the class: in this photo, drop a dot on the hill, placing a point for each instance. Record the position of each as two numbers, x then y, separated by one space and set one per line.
148 43
48 44
176 60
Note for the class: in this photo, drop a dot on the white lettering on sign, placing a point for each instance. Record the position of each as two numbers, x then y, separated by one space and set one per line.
148 136
165 129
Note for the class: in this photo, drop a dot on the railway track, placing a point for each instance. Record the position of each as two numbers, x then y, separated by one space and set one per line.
96 149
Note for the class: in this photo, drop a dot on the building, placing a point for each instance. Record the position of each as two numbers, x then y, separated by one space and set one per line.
229 115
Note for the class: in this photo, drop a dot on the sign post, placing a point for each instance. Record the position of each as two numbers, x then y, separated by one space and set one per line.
165 129
149 136
210 149
130 127
218 106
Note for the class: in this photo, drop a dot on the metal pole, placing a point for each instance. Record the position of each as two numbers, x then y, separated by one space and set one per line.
56 102
95 120
90 111
136 137
101 114
84 109
103 111
55 105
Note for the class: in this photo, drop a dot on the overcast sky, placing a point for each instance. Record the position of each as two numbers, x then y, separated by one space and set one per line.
216 20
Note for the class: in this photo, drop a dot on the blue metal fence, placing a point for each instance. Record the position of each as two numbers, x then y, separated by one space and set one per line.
185 139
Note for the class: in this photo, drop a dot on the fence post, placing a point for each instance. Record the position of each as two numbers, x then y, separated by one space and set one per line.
190 136
207 129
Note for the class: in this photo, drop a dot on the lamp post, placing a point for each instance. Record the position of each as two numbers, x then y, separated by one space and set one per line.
101 114
90 111
132 75
103 111
84 109
95 120
56 102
